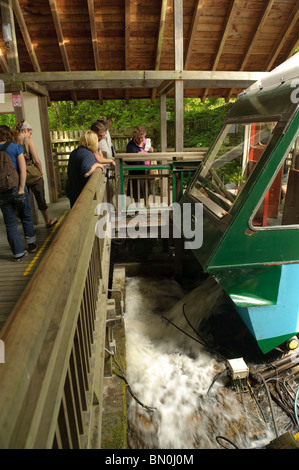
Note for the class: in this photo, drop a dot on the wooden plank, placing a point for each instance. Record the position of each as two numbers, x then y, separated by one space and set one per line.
61 41
94 38
160 42
178 35
45 128
50 337
227 27
15 276
280 41
12 49
3 62
133 78
24 30
193 31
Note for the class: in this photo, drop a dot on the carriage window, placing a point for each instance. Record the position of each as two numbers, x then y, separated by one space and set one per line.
229 164
280 205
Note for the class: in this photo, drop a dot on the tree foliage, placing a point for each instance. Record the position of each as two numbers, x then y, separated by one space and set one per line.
202 121
65 115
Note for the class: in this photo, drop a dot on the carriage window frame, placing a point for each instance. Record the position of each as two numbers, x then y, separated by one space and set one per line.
287 160
230 132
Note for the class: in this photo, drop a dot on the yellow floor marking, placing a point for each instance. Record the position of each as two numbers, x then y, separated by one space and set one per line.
44 245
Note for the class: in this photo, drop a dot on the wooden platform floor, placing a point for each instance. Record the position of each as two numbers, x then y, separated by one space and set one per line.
14 276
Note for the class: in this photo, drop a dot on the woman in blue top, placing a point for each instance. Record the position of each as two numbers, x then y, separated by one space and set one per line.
16 201
82 163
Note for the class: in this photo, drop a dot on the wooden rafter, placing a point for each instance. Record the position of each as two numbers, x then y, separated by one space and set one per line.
228 22
264 15
293 47
281 40
260 24
3 62
12 50
159 42
94 38
26 36
127 41
61 81
193 30
12 53
61 41
179 84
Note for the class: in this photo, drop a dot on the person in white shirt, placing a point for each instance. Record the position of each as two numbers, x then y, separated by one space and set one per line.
106 144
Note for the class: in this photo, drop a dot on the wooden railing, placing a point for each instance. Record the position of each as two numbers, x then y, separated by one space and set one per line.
63 142
51 382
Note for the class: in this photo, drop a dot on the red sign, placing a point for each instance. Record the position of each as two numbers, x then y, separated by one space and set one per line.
17 101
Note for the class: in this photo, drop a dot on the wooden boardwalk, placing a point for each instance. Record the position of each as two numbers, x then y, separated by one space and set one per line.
14 276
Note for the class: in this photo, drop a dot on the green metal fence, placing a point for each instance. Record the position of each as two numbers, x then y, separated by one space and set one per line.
163 181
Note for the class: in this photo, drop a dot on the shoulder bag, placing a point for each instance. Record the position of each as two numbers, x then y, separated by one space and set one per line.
33 175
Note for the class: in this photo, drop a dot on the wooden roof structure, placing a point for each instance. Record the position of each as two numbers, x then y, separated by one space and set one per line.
122 49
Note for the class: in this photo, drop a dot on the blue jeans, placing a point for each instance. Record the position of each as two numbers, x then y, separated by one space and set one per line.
12 205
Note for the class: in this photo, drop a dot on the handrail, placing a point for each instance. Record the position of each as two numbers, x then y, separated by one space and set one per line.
49 381
190 155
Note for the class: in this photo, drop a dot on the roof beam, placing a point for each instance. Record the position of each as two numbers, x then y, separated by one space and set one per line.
11 48
195 21
160 42
38 90
228 21
3 62
26 36
127 41
260 24
133 79
61 42
94 38
179 84
264 14
7 16
283 36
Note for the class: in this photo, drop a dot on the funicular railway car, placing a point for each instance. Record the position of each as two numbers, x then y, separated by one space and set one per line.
249 187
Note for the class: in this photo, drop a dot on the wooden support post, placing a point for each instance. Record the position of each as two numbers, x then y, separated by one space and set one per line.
179 111
163 132
179 115
12 52
163 122
179 84
45 127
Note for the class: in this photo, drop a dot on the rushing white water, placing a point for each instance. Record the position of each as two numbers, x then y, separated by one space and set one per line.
172 373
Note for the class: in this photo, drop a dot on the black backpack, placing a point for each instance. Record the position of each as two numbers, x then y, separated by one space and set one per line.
9 177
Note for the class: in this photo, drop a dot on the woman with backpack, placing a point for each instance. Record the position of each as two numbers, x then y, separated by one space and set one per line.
14 198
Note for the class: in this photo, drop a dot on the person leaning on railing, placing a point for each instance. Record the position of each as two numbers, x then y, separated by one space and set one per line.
100 131
82 163
137 145
105 143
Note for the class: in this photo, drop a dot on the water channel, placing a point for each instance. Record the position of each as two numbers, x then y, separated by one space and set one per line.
183 396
